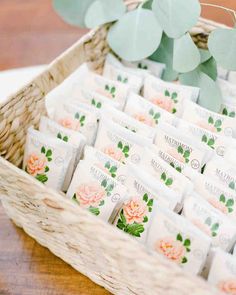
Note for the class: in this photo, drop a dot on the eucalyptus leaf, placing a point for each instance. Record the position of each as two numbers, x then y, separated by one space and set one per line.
222 45
136 35
205 55
176 16
104 11
164 54
72 11
186 56
147 4
210 68
210 93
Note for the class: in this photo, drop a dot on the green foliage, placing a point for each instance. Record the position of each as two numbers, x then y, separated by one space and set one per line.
72 11
136 35
222 45
104 11
176 16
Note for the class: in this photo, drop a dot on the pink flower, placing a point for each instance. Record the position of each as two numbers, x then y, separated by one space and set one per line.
203 227
172 249
229 286
174 153
218 205
70 123
163 102
145 119
134 210
207 126
114 153
36 164
90 194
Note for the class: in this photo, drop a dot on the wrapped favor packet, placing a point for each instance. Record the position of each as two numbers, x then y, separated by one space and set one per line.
223 272
213 140
219 196
222 171
145 195
114 90
169 96
75 139
78 117
106 163
174 237
209 120
128 122
136 177
47 158
153 67
146 112
93 189
211 221
95 100
162 171
182 147
119 143
119 73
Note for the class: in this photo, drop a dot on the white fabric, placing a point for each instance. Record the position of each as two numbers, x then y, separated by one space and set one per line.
12 80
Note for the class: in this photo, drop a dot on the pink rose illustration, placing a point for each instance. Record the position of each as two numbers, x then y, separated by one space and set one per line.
90 194
134 210
203 227
36 164
70 123
172 249
104 93
207 126
144 119
163 102
229 286
174 153
218 205
114 153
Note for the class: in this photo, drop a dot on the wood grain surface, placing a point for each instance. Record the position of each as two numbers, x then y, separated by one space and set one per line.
31 33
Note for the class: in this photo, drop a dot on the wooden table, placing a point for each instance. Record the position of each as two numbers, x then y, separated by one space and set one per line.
31 33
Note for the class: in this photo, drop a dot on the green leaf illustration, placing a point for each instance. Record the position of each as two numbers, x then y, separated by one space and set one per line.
167 93
42 178
180 149
145 197
104 183
179 237
186 154
145 219
94 210
46 169
102 203
135 229
169 181
225 112
208 221
113 169
65 138
43 150
107 165
210 120
59 135
232 185
215 227
99 105
126 149
204 138
49 153
222 198
150 203
163 176
230 203
120 145
187 243
218 123
77 115
184 260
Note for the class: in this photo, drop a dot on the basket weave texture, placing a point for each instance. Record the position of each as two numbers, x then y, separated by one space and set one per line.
107 256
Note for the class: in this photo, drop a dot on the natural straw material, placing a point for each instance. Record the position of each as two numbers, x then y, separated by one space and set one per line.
103 253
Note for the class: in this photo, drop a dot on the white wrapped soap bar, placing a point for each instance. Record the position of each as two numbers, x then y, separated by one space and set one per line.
96 191
119 143
223 272
47 158
178 240
212 222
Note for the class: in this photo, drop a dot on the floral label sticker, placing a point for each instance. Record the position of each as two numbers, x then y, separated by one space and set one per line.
166 100
47 159
37 165
222 272
219 227
134 215
92 189
213 122
146 112
179 149
77 117
120 144
174 249
173 237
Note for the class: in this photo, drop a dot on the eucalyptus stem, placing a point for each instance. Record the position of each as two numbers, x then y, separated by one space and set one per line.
221 7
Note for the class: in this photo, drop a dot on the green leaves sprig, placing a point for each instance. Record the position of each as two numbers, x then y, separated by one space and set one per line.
159 29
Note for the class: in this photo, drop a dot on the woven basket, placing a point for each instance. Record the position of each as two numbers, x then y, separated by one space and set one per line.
103 253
